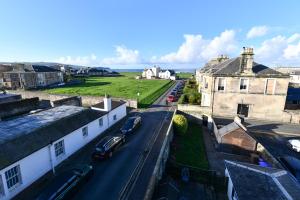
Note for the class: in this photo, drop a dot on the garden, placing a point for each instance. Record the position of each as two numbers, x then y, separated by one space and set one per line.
190 93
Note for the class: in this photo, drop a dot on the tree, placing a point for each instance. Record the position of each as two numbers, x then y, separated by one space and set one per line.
180 124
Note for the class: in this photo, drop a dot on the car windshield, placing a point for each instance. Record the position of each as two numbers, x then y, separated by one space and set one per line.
128 124
100 149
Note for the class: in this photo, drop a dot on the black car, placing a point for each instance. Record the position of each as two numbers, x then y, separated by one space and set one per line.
106 146
66 184
131 124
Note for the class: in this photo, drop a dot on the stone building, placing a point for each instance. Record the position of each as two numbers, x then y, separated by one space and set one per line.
242 86
30 76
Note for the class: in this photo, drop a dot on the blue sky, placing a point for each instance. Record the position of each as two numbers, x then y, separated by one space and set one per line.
137 33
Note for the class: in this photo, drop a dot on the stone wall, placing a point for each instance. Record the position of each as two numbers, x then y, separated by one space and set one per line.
74 101
14 108
86 100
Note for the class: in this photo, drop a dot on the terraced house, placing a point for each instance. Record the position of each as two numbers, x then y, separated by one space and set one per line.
242 86
28 76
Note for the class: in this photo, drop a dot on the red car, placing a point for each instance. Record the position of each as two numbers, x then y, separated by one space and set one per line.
171 98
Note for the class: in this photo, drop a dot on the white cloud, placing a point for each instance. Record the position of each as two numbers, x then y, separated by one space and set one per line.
292 51
196 49
79 60
280 50
257 31
123 56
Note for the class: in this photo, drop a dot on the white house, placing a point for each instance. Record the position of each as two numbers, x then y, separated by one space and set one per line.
167 74
151 73
253 182
32 145
156 72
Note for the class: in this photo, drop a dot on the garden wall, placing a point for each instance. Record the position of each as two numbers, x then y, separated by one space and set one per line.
86 100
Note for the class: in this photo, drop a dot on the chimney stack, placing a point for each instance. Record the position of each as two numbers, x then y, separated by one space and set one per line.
107 103
247 60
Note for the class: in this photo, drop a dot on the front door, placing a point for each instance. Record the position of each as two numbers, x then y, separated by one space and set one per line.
243 109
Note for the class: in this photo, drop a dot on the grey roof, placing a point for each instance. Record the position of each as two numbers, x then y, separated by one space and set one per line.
228 128
114 104
233 67
260 183
172 72
42 68
22 136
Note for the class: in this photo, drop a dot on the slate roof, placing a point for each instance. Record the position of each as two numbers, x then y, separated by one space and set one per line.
172 72
42 68
253 182
233 67
114 104
22 136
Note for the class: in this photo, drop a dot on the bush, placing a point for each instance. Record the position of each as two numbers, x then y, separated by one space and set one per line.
192 99
180 124
182 99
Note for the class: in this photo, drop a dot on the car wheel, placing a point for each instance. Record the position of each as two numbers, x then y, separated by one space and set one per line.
110 154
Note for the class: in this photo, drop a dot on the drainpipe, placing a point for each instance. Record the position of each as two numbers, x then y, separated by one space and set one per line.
51 159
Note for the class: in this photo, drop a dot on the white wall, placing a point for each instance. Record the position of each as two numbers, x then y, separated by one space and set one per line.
38 163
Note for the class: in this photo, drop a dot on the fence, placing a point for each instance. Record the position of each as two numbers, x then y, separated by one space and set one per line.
203 176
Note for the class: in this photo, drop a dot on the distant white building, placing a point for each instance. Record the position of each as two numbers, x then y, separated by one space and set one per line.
32 145
294 73
167 74
156 72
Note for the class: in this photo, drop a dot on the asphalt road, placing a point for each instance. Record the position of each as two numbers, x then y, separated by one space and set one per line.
111 175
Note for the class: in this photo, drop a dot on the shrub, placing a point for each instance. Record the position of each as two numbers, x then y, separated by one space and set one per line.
192 98
180 124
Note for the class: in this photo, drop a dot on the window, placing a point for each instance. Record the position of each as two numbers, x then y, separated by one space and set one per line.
205 83
85 131
270 86
13 177
1 187
115 117
221 84
101 122
243 84
59 148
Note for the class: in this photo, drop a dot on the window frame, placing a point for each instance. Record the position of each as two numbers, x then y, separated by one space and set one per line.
247 85
274 86
11 177
85 131
224 86
61 153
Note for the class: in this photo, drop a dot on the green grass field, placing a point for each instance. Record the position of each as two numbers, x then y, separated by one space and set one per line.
184 75
125 86
190 148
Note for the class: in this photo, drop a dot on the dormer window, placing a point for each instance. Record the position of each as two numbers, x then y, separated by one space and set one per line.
244 84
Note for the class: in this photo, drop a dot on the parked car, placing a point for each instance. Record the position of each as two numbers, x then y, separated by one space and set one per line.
173 93
294 144
106 146
131 125
66 184
171 98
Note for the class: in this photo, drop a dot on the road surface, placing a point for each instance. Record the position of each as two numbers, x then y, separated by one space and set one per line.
111 176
